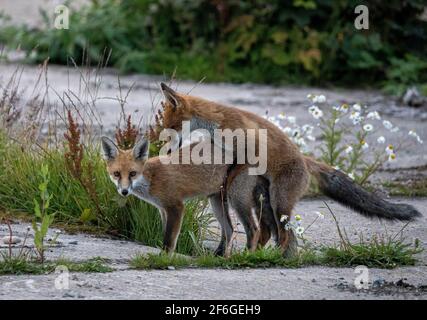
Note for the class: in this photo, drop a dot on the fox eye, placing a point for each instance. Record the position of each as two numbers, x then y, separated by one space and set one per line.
132 174
116 174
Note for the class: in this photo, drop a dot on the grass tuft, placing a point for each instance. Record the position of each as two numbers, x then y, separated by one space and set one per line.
417 188
17 266
377 253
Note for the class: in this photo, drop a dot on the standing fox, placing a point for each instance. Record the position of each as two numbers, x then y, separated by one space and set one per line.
166 186
288 171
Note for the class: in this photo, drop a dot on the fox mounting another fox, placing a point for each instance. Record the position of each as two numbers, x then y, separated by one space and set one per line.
288 170
287 177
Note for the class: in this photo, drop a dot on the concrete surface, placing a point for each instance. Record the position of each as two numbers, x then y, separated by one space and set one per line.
277 283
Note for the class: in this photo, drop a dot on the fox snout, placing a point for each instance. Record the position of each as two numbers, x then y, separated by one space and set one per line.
125 192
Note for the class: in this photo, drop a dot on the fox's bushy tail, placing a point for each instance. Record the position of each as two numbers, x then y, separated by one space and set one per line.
341 188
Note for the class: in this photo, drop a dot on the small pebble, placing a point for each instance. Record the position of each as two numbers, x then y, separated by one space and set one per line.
171 268
68 295
9 240
73 242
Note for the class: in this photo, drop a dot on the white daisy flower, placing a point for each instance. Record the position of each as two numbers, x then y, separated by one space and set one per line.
296 132
287 130
357 107
395 129
349 149
320 215
373 115
300 141
281 116
392 157
311 138
351 175
317 114
312 108
390 149
368 127
299 230
412 133
292 119
381 140
287 226
357 120
310 96
387 124
319 99
354 115
344 108
308 129
283 218
364 145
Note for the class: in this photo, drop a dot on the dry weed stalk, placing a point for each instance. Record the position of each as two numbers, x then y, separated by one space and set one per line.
74 162
127 137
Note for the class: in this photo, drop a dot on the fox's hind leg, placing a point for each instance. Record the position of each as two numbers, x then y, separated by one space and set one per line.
249 222
265 213
285 190
220 209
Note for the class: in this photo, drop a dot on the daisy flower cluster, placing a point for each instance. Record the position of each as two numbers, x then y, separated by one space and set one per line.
297 226
300 135
349 134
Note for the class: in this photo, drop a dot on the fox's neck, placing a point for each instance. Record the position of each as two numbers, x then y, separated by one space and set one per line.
141 189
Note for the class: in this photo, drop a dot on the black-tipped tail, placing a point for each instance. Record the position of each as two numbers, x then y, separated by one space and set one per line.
341 188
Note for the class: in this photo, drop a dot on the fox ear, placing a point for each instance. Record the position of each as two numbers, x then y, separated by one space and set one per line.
172 96
109 149
140 151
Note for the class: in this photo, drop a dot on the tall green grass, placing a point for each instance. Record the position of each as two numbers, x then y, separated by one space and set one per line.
128 217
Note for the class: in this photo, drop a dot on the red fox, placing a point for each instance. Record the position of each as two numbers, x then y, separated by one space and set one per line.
166 186
288 170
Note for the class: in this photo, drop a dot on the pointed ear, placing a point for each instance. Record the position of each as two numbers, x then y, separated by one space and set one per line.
172 96
109 149
140 151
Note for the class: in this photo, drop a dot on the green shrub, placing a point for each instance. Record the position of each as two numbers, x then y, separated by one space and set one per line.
275 42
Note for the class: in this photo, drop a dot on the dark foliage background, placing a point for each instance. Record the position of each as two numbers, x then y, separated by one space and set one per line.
276 41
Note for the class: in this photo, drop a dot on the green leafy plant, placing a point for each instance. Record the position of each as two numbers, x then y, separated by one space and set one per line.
349 135
42 214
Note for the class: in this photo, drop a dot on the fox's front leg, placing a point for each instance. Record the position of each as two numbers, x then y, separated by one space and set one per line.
174 216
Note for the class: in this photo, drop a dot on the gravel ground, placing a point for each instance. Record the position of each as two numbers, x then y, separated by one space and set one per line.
278 283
